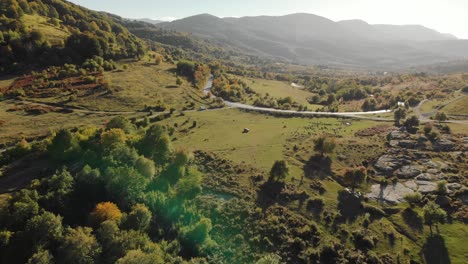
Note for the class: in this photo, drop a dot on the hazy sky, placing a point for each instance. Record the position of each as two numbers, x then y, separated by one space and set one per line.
446 16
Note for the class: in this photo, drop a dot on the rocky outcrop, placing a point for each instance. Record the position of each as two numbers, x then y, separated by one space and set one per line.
430 177
387 164
397 135
395 193
443 145
409 171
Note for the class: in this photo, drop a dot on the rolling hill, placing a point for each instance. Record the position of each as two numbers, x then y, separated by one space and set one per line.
52 32
311 39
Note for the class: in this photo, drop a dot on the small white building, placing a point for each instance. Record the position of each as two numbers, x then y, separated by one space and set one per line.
402 104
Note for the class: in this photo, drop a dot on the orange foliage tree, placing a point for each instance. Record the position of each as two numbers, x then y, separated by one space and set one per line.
105 211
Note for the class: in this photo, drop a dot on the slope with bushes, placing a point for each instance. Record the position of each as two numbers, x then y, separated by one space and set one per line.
53 32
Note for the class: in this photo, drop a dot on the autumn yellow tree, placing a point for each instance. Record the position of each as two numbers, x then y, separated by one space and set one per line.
105 211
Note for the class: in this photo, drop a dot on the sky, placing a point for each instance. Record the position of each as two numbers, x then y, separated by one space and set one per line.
446 16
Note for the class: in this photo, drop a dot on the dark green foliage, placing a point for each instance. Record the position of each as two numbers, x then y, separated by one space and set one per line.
93 33
369 105
441 116
399 115
316 205
355 177
125 183
139 218
349 205
56 190
363 241
186 68
324 145
412 124
21 207
44 230
156 145
193 237
41 257
31 222
78 246
433 215
64 146
82 46
122 123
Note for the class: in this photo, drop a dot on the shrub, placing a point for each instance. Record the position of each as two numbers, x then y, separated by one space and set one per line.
413 198
441 188
374 211
315 204
427 128
362 241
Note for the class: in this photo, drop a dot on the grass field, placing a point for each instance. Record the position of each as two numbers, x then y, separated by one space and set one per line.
143 83
55 35
15 125
457 107
270 138
279 89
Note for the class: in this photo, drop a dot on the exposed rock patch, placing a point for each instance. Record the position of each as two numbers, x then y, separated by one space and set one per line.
409 171
387 163
395 193
444 145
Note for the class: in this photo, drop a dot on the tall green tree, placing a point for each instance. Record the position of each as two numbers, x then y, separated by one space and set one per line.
42 256
412 124
355 177
44 229
139 218
79 246
433 215
63 145
399 115
441 117
324 145
156 145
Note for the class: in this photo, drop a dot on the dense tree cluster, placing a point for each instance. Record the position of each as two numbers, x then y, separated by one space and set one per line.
230 89
196 72
128 196
90 34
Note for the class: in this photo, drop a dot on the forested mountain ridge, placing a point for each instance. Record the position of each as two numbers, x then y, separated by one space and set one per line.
311 39
53 32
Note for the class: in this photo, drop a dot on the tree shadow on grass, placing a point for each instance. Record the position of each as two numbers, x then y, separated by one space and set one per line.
435 251
349 205
268 193
412 219
318 167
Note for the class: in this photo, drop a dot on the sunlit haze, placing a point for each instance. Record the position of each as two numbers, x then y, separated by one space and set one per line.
445 16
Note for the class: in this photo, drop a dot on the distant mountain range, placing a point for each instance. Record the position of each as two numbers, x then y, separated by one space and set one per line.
310 39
